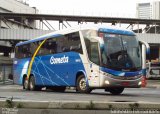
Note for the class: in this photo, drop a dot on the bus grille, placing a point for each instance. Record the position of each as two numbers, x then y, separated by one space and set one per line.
126 77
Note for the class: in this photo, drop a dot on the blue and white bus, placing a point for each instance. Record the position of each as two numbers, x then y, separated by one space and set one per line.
86 58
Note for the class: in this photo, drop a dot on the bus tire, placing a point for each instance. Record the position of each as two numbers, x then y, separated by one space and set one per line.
81 85
25 83
116 91
32 85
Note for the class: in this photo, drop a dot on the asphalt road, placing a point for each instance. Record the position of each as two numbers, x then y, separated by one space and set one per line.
129 95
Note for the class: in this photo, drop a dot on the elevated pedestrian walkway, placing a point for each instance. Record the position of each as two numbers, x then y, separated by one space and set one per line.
27 34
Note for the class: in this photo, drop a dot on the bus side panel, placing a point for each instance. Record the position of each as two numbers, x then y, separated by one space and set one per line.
20 68
91 73
57 70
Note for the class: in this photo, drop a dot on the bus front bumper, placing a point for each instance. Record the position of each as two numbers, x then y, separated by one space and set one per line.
107 81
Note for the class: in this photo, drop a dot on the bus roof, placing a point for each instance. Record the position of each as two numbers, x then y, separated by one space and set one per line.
100 28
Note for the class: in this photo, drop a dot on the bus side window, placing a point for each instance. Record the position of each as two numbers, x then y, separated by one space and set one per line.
62 44
74 42
33 47
44 50
49 47
92 50
28 53
40 52
94 53
87 42
18 52
25 51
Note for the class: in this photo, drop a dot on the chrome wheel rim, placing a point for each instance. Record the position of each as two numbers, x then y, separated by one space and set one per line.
82 84
31 85
26 84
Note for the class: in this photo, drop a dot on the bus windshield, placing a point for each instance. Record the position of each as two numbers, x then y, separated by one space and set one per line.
121 52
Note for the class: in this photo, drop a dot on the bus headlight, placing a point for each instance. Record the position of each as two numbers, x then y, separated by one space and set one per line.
139 83
106 82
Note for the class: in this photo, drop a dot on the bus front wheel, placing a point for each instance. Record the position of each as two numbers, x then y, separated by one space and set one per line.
81 85
116 91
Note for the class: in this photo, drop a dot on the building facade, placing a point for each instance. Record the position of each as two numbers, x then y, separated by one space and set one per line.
144 10
148 10
7 45
14 6
17 6
156 10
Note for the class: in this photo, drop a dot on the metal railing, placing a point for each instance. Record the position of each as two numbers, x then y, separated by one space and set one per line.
153 70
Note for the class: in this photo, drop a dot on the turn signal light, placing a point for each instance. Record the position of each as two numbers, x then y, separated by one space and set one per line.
144 81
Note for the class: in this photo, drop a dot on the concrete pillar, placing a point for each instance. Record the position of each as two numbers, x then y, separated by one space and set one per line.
155 29
138 27
159 52
119 24
4 73
0 22
59 25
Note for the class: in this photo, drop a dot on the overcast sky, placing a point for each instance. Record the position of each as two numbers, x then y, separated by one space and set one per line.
121 8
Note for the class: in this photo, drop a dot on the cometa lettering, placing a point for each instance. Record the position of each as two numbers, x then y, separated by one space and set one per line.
63 59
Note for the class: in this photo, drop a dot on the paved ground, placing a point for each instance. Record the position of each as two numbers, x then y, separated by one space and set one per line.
68 111
149 94
153 83
46 102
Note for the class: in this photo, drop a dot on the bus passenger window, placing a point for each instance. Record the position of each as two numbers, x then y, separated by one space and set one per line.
49 47
74 42
26 51
60 44
33 47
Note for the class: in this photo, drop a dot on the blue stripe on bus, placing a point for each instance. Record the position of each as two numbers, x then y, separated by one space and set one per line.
49 72
116 31
20 68
38 39
121 73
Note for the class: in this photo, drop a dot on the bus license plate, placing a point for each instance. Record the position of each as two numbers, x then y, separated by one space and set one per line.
125 83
